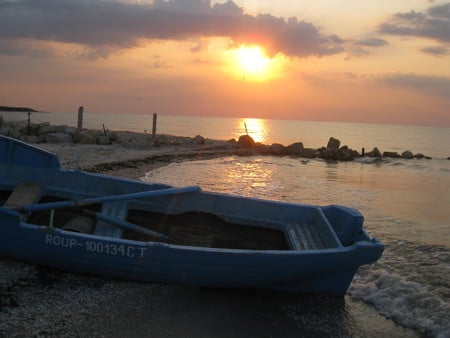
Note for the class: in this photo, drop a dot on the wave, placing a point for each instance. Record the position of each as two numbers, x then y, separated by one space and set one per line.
410 285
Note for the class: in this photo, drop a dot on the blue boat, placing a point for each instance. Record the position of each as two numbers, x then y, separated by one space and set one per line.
128 229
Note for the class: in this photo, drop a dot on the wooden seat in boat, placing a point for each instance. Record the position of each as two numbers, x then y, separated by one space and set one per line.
25 193
116 210
311 236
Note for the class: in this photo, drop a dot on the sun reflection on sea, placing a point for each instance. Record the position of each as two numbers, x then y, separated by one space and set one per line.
248 174
258 129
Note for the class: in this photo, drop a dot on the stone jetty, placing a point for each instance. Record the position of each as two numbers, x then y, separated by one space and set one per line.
332 152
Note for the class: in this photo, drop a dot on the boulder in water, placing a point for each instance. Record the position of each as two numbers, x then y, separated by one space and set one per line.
246 141
392 154
277 149
333 144
295 149
407 154
374 153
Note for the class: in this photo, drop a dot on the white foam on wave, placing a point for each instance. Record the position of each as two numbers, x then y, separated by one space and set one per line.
414 294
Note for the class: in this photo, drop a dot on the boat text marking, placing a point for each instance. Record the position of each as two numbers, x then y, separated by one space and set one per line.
130 251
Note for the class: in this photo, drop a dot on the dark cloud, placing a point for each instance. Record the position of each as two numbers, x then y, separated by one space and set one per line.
17 48
433 24
114 24
436 50
438 86
372 42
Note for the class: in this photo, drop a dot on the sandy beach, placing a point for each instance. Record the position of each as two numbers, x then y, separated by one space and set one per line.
134 162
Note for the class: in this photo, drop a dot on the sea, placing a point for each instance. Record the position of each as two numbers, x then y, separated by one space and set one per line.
405 203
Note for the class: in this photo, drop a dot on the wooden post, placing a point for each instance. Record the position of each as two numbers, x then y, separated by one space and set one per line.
29 123
155 117
80 123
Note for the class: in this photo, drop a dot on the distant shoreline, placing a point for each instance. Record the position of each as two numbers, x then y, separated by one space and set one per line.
18 109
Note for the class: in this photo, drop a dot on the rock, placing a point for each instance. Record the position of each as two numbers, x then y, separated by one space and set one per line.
139 140
407 154
57 138
374 153
277 149
32 139
1 120
8 130
246 141
20 127
326 154
46 128
295 149
198 140
342 154
103 140
347 154
87 137
162 139
333 144
392 154
309 153
70 130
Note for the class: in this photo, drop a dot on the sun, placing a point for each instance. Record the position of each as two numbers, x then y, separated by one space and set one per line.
251 62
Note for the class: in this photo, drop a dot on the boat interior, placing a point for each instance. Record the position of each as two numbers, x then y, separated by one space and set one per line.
138 221
191 228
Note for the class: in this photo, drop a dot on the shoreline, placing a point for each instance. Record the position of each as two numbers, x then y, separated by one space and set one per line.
145 145
117 160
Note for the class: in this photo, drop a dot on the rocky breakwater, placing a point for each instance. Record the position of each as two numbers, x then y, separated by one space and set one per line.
333 151
408 155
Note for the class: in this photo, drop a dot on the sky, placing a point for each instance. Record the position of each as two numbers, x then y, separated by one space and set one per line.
372 61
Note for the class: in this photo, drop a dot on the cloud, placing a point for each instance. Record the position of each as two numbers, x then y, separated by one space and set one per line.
372 42
17 48
438 86
433 24
112 24
436 50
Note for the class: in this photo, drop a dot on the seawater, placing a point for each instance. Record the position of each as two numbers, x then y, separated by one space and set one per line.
405 202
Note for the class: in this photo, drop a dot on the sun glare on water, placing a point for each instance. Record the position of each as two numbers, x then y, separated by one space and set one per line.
256 128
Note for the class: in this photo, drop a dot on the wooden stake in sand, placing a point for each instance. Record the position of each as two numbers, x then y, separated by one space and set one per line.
80 123
155 117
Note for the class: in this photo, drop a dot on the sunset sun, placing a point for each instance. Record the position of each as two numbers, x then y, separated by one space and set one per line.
251 62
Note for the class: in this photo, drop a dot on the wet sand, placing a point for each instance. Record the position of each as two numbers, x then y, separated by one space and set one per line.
41 302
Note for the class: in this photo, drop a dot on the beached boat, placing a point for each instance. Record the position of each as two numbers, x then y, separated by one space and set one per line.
128 229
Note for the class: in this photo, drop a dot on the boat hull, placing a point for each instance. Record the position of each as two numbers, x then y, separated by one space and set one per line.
322 271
